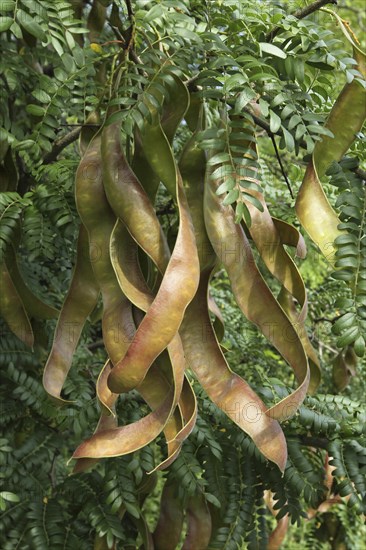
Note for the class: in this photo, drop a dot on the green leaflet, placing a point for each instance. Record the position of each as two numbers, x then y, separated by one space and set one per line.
253 295
80 301
226 389
345 119
12 308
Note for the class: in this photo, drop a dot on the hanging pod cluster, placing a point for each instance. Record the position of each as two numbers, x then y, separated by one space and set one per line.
156 318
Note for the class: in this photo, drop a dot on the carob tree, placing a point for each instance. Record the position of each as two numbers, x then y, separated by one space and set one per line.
167 120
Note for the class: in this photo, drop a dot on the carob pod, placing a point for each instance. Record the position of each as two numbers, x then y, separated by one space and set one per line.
12 308
80 301
224 387
253 295
346 118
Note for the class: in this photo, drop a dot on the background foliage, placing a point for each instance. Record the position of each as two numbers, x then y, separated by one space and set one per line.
57 65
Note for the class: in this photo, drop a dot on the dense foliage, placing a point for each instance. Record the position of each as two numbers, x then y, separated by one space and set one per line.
194 165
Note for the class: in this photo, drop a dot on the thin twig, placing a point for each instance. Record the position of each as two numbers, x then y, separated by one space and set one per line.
321 344
300 14
280 163
191 83
326 319
361 173
265 126
96 345
81 125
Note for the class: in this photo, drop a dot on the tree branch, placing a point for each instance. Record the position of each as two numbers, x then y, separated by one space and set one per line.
60 144
129 10
319 442
304 12
300 14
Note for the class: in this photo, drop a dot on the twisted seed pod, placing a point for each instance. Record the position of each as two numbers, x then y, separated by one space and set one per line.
291 236
267 238
80 301
96 20
173 110
177 289
253 295
34 306
225 388
12 308
132 282
129 438
286 300
170 523
117 321
346 118
123 189
199 524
